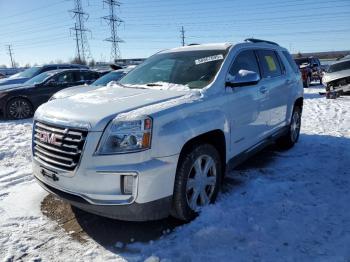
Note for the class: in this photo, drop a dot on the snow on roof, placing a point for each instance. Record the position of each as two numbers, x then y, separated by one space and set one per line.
214 46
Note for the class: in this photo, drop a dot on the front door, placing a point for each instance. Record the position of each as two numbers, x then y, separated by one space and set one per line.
248 121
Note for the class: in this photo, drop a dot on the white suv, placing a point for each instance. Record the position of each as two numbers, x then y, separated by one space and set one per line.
160 141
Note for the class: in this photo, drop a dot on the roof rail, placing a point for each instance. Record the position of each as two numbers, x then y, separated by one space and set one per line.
253 40
192 44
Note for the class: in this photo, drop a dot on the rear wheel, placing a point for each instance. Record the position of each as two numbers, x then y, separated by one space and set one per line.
197 181
287 141
19 108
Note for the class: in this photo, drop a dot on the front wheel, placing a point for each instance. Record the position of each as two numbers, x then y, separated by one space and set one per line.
19 108
197 182
287 141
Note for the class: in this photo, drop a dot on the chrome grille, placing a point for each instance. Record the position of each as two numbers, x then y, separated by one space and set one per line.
58 147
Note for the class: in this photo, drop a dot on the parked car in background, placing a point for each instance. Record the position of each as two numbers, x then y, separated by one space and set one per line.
29 73
311 70
21 100
113 76
2 75
159 141
337 77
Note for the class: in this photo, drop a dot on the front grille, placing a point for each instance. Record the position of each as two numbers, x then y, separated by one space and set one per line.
58 146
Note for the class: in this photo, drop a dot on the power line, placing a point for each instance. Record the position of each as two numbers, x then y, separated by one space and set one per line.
114 22
82 45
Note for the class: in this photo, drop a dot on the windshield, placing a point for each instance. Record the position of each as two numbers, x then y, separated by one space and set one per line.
194 69
39 78
111 76
301 61
28 73
339 66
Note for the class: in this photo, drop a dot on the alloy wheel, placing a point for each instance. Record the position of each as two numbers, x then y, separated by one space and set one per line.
201 182
19 109
295 126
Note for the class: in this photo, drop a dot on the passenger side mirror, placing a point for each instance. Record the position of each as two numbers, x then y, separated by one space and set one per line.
242 78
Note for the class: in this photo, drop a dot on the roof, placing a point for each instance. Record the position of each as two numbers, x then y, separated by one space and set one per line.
56 71
195 47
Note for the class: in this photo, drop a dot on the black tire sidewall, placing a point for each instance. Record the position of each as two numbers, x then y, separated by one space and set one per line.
180 207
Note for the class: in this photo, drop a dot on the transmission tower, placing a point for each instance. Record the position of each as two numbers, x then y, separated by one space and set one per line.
114 22
182 36
10 52
82 45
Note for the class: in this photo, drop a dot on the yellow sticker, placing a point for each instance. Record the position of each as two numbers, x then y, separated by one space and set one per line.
271 63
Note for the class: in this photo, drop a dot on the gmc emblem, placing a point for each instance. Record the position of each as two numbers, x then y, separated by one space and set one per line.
49 138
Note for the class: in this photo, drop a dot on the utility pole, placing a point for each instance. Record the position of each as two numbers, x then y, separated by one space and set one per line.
114 22
82 45
10 52
182 36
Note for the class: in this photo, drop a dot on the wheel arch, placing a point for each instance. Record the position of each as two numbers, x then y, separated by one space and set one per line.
215 138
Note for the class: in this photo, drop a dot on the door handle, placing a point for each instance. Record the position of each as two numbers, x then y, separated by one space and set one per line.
263 89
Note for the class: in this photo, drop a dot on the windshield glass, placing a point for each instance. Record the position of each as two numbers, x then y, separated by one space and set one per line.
111 76
301 61
194 69
339 66
39 78
28 73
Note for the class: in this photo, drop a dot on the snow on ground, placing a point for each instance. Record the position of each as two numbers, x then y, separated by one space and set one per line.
284 205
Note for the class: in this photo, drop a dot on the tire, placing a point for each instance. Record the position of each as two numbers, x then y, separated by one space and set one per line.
288 141
19 108
194 186
307 82
321 82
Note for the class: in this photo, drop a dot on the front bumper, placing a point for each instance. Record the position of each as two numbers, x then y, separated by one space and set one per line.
153 210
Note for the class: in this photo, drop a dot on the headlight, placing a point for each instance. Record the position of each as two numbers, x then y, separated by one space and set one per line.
126 136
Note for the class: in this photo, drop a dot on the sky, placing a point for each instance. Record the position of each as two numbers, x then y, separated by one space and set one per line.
39 30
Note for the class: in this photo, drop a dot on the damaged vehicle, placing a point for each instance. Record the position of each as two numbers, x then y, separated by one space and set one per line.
310 69
337 78
159 141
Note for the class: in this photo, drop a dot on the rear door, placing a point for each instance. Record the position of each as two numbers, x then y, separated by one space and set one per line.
277 86
248 122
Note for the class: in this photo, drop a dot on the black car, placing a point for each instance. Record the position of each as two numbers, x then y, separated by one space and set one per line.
21 100
29 73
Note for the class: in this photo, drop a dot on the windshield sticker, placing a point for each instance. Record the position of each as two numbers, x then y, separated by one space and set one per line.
208 59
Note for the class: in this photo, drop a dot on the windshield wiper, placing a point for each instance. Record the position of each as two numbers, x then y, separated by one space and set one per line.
153 84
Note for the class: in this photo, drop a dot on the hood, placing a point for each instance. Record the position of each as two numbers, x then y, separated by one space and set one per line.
328 77
95 108
70 91
10 81
14 87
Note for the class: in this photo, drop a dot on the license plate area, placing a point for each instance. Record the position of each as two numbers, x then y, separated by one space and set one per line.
49 174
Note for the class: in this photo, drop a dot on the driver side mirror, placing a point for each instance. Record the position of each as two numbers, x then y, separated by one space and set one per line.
242 78
51 82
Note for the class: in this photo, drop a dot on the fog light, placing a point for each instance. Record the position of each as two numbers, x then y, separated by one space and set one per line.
127 184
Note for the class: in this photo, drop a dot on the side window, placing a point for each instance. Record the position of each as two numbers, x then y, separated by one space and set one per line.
269 63
283 67
85 76
246 60
65 78
291 62
49 68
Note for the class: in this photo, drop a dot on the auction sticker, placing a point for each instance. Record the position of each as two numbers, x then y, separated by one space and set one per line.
208 59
